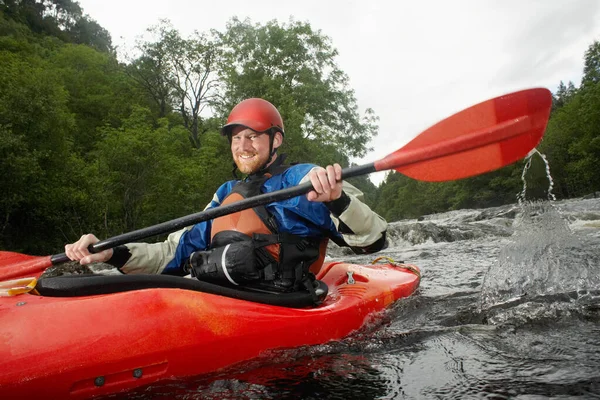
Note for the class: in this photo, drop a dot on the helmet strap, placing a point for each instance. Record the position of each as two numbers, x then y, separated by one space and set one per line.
234 172
272 151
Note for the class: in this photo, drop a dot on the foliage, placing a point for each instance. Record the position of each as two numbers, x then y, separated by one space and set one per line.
35 126
99 92
63 19
147 174
178 74
572 140
293 66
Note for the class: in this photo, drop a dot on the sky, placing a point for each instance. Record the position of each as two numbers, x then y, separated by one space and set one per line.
414 63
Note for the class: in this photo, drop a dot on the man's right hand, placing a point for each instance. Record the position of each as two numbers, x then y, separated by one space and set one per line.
79 250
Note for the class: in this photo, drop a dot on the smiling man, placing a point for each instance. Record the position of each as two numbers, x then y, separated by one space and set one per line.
279 246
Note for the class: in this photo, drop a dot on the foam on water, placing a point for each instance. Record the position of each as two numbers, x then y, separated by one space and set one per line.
544 256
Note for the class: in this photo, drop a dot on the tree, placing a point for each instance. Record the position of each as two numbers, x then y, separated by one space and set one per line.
178 74
133 158
151 174
89 32
35 130
591 68
63 19
65 13
294 67
563 94
97 92
151 72
572 139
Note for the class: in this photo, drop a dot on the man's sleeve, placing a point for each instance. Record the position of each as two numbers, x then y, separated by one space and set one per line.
361 228
166 257
163 257
146 258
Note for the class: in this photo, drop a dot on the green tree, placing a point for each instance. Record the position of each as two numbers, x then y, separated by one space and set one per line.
151 72
151 174
139 163
572 138
591 68
99 92
178 74
63 19
36 126
563 94
294 67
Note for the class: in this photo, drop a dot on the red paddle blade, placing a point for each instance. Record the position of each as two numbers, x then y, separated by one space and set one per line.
16 265
482 138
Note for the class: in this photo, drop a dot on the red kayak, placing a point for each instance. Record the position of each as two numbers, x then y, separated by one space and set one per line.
89 345
83 337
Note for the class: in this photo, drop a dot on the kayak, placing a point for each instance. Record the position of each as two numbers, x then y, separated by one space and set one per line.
90 345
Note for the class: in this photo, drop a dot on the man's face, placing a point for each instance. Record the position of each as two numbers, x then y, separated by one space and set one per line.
250 150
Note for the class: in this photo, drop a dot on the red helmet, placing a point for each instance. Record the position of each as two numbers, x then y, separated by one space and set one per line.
256 114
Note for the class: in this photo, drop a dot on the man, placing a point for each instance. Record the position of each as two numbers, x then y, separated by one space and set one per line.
277 246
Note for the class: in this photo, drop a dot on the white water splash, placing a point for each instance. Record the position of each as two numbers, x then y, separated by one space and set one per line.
521 197
544 258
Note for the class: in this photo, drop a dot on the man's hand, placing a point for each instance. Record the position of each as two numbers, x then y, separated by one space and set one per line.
327 183
79 250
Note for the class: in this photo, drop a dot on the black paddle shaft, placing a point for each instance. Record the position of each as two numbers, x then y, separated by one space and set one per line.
212 213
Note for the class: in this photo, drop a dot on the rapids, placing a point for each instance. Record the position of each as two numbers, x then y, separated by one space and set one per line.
509 307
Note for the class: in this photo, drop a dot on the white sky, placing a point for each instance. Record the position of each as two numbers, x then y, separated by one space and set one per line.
415 62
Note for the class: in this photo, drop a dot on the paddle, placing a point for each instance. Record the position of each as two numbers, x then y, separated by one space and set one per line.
479 139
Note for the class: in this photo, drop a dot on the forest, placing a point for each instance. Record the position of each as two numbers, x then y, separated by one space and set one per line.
93 142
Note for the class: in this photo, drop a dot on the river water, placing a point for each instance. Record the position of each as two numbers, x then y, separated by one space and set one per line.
508 308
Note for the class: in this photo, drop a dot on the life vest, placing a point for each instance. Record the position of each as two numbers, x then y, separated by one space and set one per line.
248 249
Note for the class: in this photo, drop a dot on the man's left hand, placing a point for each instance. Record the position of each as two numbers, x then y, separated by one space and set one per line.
327 183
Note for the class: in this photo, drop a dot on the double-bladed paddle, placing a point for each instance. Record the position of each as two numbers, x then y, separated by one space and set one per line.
479 139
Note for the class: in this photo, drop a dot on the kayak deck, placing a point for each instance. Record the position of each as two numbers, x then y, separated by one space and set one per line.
79 347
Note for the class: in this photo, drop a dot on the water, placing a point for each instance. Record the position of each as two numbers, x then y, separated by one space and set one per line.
509 307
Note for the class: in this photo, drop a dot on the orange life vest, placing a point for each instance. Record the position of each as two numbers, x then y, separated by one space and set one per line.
248 249
249 222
